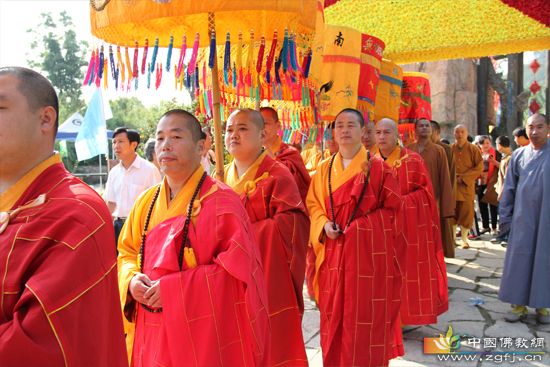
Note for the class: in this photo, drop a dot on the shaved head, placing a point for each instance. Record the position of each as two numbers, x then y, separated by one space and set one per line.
537 117
461 126
387 122
254 116
461 134
386 135
190 122
37 90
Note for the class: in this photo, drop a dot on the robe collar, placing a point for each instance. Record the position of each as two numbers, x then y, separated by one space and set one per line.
238 184
11 195
340 175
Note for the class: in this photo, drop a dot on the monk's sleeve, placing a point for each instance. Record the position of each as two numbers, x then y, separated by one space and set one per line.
128 250
67 314
216 309
446 189
315 204
29 335
508 196
473 173
288 216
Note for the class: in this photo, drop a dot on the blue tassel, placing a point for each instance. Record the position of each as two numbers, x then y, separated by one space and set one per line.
169 57
284 52
101 63
212 54
292 49
154 58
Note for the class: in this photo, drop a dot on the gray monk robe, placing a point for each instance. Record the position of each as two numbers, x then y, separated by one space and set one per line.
525 209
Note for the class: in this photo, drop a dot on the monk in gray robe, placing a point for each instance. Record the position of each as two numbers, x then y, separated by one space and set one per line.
525 209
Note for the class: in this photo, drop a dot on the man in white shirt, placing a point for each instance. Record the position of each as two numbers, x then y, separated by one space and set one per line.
129 178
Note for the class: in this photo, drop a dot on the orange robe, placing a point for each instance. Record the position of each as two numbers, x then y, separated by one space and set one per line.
469 165
213 313
424 293
291 158
59 290
313 157
447 234
280 225
435 159
357 280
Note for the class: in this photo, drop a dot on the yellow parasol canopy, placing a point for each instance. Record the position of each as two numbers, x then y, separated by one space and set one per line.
124 21
428 30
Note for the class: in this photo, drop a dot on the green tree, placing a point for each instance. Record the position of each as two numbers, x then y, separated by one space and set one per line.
128 112
62 57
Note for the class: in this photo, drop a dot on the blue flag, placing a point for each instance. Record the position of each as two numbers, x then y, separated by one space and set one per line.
92 136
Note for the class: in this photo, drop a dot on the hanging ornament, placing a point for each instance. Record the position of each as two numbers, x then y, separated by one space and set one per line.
155 54
260 55
144 58
128 64
270 58
534 107
193 61
169 55
535 87
227 59
534 66
135 70
182 56
90 72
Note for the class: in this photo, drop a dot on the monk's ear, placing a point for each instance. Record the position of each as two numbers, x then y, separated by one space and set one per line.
48 117
201 146
262 134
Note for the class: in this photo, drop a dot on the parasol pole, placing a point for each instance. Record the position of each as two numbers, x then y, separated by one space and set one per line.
216 106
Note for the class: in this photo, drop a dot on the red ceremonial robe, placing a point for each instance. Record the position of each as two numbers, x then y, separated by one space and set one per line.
291 158
213 314
424 292
281 228
59 296
357 280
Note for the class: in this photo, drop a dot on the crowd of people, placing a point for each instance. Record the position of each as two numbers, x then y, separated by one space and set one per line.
175 268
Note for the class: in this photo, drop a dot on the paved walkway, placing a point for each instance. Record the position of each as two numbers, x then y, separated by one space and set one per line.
474 273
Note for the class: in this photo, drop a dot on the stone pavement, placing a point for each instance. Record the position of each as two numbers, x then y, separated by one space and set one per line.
473 273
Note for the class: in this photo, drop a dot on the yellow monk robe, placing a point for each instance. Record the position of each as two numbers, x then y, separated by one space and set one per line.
227 327
357 280
424 293
312 157
435 158
469 165
280 225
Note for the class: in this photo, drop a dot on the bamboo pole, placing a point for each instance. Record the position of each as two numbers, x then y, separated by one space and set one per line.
218 142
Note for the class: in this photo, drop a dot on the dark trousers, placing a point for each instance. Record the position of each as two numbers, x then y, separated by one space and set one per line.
485 209
118 223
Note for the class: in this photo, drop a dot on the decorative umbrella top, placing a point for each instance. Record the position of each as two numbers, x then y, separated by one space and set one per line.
428 30
122 22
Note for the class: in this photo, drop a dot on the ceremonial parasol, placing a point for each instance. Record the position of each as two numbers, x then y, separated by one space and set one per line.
428 30
122 22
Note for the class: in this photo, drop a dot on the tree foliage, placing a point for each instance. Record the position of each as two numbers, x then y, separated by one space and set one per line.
61 56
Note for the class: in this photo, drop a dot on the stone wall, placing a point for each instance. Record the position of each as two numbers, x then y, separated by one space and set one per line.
453 93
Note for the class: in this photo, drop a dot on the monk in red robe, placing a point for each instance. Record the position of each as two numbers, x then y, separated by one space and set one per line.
189 273
280 225
284 153
424 293
353 202
58 296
